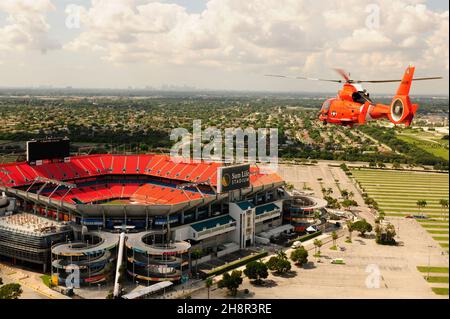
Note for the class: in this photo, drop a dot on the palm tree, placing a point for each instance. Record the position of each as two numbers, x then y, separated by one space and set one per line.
349 224
444 206
196 254
317 215
282 255
421 204
344 193
317 244
334 236
208 284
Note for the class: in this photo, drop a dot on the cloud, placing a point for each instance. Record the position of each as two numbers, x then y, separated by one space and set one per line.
270 34
26 26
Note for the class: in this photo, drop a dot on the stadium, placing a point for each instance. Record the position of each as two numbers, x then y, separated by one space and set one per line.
80 204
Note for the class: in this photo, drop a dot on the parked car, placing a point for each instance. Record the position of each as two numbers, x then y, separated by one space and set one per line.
296 244
338 261
420 217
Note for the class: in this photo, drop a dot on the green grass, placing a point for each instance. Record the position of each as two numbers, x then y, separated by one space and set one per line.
435 226
406 209
436 149
440 291
443 245
407 214
436 270
437 279
438 232
233 265
425 221
117 202
397 193
440 238
47 280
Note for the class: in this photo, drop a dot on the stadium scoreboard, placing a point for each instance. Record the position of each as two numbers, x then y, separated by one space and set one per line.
38 150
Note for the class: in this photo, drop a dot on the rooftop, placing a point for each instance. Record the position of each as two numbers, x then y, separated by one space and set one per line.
31 223
265 208
211 223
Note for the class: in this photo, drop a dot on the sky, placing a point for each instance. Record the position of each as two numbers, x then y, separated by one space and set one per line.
222 44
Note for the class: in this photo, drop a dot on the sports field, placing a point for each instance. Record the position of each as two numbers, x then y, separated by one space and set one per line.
117 202
397 193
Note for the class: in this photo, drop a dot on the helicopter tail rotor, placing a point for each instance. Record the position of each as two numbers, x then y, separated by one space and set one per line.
401 110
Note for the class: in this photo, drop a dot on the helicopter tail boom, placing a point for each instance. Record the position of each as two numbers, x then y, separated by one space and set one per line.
400 111
405 85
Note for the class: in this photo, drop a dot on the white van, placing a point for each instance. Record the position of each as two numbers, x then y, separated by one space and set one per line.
296 244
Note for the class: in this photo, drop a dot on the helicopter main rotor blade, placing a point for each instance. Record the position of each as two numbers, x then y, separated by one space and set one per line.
391 81
303 78
348 80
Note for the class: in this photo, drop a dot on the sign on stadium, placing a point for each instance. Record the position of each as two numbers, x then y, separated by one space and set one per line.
230 178
47 149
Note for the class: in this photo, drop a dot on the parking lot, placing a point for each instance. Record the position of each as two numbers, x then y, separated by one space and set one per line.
370 271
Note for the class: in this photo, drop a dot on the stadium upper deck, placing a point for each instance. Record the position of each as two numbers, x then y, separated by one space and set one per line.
131 180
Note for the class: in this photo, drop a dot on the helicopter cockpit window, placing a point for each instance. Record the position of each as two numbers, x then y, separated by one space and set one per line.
361 97
326 105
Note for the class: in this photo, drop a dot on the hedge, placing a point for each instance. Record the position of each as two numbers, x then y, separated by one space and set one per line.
232 265
304 238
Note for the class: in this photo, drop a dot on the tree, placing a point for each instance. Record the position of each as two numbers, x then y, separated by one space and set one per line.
282 255
386 235
444 206
334 236
362 226
231 281
208 284
196 254
317 215
344 193
350 228
10 291
300 256
349 203
279 263
317 244
256 271
332 203
421 204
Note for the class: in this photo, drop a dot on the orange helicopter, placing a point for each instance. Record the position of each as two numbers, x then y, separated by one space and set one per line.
353 105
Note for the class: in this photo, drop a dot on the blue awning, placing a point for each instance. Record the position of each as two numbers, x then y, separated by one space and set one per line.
211 223
245 205
265 209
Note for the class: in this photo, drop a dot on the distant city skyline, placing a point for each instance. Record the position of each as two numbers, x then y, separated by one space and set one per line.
221 44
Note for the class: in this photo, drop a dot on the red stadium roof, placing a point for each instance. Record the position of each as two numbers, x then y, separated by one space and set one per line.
162 166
